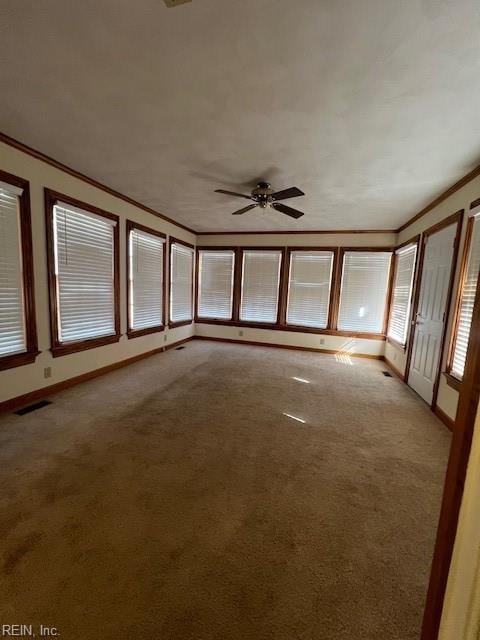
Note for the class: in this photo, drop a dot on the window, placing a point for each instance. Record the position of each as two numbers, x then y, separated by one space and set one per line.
364 290
260 281
402 293
145 279
215 283
181 282
466 300
18 340
84 278
309 285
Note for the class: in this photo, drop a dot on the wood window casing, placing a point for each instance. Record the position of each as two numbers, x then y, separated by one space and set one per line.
281 323
181 323
59 348
28 356
136 333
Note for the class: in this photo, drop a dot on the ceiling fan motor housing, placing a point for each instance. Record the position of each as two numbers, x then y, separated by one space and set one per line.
263 194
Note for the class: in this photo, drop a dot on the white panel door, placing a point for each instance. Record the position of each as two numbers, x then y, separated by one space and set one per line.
431 312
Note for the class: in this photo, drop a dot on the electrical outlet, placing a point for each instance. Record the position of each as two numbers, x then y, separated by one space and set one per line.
165 337
240 333
47 372
322 340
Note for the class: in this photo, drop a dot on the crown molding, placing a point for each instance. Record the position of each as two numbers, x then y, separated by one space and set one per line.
81 176
474 173
295 232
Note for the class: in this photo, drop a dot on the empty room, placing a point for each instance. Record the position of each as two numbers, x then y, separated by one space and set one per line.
240 319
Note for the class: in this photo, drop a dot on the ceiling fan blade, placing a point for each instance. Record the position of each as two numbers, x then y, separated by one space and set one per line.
292 192
244 210
233 193
293 213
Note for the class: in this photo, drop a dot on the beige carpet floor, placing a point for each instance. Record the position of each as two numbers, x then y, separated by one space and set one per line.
175 500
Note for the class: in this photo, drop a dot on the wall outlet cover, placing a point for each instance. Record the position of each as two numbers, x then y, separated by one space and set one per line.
47 372
322 340
240 333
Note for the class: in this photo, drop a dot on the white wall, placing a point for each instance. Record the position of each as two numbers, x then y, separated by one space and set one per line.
447 399
20 380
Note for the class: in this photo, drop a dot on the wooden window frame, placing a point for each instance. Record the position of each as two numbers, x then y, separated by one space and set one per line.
452 380
9 361
136 333
281 323
413 241
331 300
386 314
59 348
181 323
201 319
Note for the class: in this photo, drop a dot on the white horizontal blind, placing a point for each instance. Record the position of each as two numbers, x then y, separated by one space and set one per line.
145 279
181 283
260 282
402 293
364 291
467 302
12 315
309 288
84 269
215 286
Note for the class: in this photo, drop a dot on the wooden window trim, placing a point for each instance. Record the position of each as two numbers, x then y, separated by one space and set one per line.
59 348
137 333
281 324
286 285
181 323
453 380
201 319
28 356
413 241
238 281
386 313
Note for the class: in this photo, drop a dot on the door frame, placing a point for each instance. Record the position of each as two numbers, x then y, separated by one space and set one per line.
455 218
454 480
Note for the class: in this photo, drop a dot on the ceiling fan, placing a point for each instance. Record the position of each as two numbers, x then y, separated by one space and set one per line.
264 196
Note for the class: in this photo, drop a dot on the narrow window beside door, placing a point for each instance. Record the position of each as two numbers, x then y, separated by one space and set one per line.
468 289
402 293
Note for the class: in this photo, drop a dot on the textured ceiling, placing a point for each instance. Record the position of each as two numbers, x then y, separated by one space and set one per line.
370 106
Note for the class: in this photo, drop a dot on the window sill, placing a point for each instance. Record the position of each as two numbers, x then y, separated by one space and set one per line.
82 345
18 359
181 323
396 344
294 328
453 382
137 333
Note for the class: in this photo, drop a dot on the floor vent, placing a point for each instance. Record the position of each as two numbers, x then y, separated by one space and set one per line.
32 407
179 348
387 374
